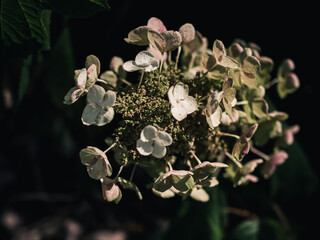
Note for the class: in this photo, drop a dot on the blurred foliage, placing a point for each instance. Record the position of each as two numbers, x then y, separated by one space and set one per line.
42 137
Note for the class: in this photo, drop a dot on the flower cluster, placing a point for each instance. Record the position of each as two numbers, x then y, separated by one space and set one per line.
187 121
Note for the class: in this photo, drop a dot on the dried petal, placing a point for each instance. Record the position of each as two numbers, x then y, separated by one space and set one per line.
138 36
156 25
187 32
144 148
148 133
92 59
110 191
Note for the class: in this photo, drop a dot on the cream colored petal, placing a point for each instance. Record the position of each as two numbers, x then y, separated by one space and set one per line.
96 94
90 114
148 133
159 151
144 148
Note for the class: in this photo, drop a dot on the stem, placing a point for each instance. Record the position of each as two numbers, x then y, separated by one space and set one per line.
169 56
118 174
170 166
259 153
242 102
141 77
106 83
195 156
239 165
162 59
177 57
109 148
133 171
191 61
227 135
125 81
270 84
204 98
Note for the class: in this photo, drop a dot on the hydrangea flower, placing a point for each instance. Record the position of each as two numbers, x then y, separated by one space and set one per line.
110 190
181 103
84 78
213 110
99 109
276 159
96 161
153 142
287 138
143 61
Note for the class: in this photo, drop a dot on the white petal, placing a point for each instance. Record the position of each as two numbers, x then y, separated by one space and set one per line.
90 114
153 65
109 98
190 104
80 76
144 58
171 97
159 151
148 133
96 94
92 72
105 116
72 95
215 119
131 66
180 91
144 148
178 112
164 138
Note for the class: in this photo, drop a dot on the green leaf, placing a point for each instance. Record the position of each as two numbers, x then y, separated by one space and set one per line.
199 220
79 8
102 3
25 76
246 230
22 20
259 107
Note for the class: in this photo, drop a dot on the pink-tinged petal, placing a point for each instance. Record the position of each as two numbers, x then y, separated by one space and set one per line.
187 32
92 72
72 95
93 60
279 157
144 148
115 63
199 194
156 25
110 191
276 159
80 77
157 54
159 151
149 133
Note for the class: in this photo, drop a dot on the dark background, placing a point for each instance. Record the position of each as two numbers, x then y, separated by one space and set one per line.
44 188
